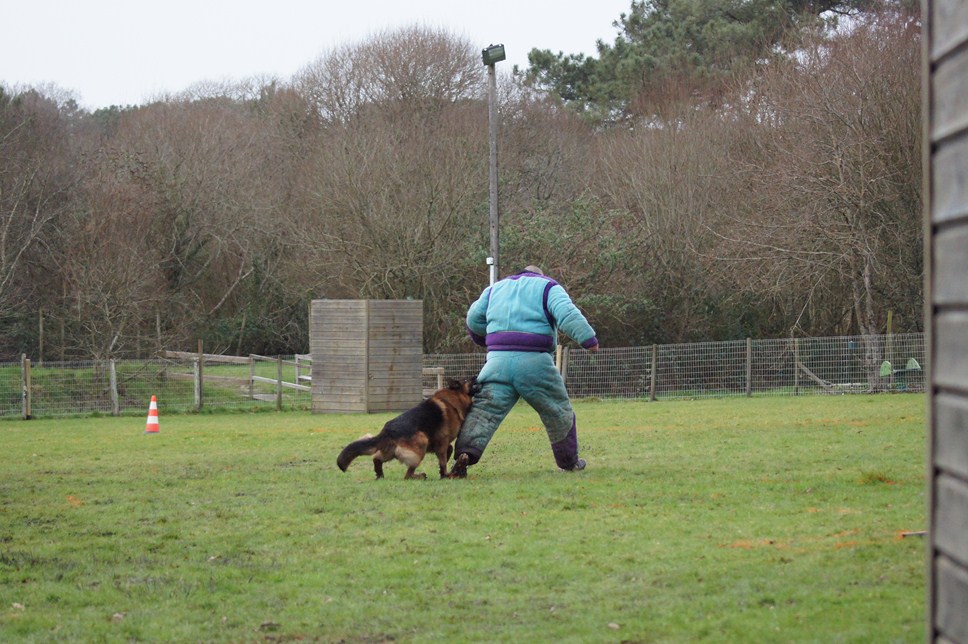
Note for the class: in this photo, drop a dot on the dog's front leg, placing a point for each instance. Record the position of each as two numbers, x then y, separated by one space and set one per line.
442 459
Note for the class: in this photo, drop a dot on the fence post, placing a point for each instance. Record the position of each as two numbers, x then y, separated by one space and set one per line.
279 383
25 386
113 379
796 366
251 377
197 369
201 377
564 364
655 362
40 337
749 367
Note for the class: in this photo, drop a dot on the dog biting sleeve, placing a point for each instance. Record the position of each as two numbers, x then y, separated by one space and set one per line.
491 404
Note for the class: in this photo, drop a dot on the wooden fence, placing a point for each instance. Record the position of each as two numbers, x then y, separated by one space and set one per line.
199 377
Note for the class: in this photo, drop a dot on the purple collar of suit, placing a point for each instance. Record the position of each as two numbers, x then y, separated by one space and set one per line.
530 274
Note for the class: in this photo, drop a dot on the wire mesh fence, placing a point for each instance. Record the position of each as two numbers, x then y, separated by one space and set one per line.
801 366
796 366
126 386
455 365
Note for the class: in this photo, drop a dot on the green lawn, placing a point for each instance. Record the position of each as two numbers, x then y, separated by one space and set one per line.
749 520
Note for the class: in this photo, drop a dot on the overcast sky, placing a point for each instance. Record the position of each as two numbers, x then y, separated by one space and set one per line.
126 52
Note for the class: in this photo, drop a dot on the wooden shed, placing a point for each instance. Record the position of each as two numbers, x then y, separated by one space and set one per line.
946 242
367 355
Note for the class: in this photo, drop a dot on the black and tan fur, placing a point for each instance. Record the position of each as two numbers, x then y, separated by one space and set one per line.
431 426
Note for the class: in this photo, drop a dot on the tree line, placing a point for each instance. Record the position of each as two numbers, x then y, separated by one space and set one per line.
773 197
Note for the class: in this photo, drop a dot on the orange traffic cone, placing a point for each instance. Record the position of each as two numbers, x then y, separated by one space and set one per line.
152 426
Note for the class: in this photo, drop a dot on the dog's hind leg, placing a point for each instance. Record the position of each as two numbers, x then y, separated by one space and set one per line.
378 466
410 473
411 454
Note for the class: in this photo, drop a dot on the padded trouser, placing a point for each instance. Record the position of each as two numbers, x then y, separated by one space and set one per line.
506 377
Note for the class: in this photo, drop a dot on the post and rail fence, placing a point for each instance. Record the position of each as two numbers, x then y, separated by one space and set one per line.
192 381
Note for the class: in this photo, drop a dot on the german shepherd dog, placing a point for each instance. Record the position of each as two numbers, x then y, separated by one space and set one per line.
431 426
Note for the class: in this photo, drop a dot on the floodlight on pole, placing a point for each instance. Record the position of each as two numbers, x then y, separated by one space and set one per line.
491 55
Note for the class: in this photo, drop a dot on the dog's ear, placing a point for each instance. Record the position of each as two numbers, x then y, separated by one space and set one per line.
455 385
474 387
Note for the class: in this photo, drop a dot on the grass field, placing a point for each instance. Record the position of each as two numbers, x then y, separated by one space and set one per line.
740 520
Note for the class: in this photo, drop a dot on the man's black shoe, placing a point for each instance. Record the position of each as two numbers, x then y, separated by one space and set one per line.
459 470
580 465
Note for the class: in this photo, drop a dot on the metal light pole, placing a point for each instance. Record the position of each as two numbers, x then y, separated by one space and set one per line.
492 55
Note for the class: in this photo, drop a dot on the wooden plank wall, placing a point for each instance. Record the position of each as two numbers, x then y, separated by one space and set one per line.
337 342
946 236
367 355
395 354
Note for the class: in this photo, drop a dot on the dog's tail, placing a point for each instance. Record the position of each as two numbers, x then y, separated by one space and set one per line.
367 445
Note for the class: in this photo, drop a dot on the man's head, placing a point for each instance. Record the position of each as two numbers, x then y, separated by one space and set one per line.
531 268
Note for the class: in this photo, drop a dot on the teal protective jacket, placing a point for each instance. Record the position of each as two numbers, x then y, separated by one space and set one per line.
523 313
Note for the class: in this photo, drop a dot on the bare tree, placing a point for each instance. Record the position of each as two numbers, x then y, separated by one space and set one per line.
409 66
832 173
668 180
206 175
544 150
390 201
37 175
110 282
